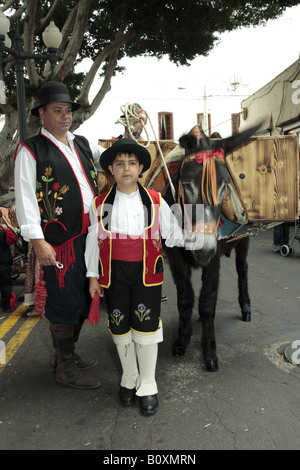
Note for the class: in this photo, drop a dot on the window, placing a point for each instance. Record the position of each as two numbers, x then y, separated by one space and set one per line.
200 122
165 126
235 123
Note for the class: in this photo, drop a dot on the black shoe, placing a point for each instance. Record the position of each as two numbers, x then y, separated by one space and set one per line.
127 396
148 404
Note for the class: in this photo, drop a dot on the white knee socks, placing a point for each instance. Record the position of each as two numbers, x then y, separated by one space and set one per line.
129 365
138 364
146 357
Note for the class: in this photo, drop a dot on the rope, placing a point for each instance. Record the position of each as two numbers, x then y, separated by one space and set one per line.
130 116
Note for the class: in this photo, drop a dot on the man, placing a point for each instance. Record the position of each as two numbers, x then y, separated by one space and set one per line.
55 183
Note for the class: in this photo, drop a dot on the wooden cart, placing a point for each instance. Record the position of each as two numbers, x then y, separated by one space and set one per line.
264 173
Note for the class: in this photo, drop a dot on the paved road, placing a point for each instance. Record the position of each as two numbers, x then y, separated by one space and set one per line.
252 402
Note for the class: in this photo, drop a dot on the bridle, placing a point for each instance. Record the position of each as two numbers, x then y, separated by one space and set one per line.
207 158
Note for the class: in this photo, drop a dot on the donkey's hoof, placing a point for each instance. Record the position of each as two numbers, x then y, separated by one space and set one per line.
246 311
178 350
246 316
212 364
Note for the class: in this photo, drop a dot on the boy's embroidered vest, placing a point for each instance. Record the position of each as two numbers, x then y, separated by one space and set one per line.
152 249
58 192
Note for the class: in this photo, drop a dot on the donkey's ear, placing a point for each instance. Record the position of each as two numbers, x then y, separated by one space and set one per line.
189 143
238 139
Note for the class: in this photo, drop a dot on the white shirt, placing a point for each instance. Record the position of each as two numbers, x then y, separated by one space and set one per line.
128 218
27 208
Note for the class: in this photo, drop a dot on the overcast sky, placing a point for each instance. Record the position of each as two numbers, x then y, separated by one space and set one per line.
250 56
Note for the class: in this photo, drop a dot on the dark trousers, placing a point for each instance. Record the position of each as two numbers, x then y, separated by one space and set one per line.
69 304
131 305
281 235
5 286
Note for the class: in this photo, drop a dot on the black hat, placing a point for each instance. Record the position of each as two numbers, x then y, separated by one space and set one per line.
53 92
125 146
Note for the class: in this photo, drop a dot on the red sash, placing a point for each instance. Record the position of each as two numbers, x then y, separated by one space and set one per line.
127 247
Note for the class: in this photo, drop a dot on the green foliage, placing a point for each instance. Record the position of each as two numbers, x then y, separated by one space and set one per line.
178 29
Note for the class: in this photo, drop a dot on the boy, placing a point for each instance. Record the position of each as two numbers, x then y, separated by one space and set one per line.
7 238
127 223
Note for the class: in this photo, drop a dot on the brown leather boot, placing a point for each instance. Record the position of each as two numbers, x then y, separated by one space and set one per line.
67 373
79 361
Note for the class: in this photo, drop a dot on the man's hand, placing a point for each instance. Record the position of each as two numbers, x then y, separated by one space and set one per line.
45 253
137 125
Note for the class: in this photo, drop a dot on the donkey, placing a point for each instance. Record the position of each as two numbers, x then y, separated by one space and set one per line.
203 178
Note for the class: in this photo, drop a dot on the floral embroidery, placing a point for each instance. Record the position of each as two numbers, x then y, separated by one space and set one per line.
157 240
49 194
142 312
93 174
58 210
116 317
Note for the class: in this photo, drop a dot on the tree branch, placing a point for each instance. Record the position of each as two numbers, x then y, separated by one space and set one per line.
19 12
74 45
8 5
28 42
106 85
110 50
45 21
87 111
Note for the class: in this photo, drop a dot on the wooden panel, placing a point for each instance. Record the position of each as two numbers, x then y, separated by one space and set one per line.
265 172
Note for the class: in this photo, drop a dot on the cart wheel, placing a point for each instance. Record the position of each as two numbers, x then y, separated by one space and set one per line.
285 250
292 251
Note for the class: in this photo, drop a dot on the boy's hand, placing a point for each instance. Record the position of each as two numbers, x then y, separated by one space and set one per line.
95 287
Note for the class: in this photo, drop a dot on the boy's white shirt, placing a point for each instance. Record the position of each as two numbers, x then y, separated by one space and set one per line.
128 218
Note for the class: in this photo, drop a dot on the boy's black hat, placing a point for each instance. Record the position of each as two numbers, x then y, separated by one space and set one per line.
53 92
125 146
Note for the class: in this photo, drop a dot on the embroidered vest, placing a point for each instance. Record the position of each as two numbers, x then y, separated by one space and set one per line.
152 249
57 190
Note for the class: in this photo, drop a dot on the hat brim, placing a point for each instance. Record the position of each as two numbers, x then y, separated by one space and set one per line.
107 157
35 111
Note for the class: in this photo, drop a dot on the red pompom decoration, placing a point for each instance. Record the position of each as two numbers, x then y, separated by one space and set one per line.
41 295
94 315
12 301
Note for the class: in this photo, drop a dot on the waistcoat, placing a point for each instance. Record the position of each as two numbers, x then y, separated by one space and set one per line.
57 189
152 248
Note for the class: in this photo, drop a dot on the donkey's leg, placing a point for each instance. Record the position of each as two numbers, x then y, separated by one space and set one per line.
185 300
241 252
207 310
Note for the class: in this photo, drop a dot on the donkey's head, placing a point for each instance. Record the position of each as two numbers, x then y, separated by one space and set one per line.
203 187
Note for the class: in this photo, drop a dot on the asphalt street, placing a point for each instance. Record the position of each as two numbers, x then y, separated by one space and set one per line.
251 403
